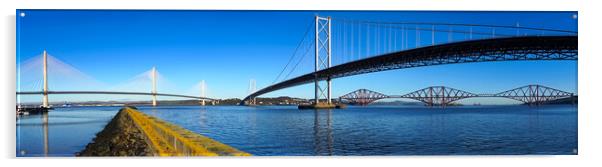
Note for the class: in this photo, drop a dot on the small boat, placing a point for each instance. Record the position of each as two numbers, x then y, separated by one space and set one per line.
66 105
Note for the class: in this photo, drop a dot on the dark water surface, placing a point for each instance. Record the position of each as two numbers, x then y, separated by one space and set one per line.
373 130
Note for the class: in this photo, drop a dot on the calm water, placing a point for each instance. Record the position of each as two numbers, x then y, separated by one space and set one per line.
69 130
382 130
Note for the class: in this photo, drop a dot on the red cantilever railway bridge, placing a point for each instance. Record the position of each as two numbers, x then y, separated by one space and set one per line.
441 95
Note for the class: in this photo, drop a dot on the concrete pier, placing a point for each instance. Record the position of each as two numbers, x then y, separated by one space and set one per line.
145 135
321 105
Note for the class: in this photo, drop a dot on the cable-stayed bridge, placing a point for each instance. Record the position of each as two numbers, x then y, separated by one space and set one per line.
153 93
113 93
369 46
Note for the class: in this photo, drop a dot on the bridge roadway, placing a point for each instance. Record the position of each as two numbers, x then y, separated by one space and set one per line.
113 93
482 50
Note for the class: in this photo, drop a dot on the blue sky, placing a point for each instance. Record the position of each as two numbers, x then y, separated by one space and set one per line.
227 48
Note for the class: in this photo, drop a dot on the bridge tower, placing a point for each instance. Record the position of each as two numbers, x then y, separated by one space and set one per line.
203 92
154 80
45 62
252 89
322 45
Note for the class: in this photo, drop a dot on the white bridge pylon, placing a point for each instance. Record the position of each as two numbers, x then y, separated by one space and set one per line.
154 80
252 89
203 87
45 99
154 93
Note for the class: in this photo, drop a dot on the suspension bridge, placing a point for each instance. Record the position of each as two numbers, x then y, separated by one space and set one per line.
362 47
342 48
153 93
442 96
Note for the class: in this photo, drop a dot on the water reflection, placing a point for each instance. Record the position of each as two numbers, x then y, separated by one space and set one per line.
282 130
45 122
203 117
44 142
323 139
60 132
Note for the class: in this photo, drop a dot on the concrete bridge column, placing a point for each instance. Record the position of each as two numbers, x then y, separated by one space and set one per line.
154 80
202 92
45 103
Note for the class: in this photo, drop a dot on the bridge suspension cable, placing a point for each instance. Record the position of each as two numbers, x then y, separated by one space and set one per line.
424 44
307 49
356 38
461 24
361 37
295 51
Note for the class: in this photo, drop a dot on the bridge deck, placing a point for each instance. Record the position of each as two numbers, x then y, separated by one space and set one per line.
112 93
483 50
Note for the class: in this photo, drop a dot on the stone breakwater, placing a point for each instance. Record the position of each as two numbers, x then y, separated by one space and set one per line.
133 133
119 138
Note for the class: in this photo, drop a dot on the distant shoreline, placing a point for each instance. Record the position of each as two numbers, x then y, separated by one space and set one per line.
277 101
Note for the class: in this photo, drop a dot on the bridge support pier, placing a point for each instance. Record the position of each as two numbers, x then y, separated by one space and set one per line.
154 91
329 98
572 99
316 90
203 92
154 100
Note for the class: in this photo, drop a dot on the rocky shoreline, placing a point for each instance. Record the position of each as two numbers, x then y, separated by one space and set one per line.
120 137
